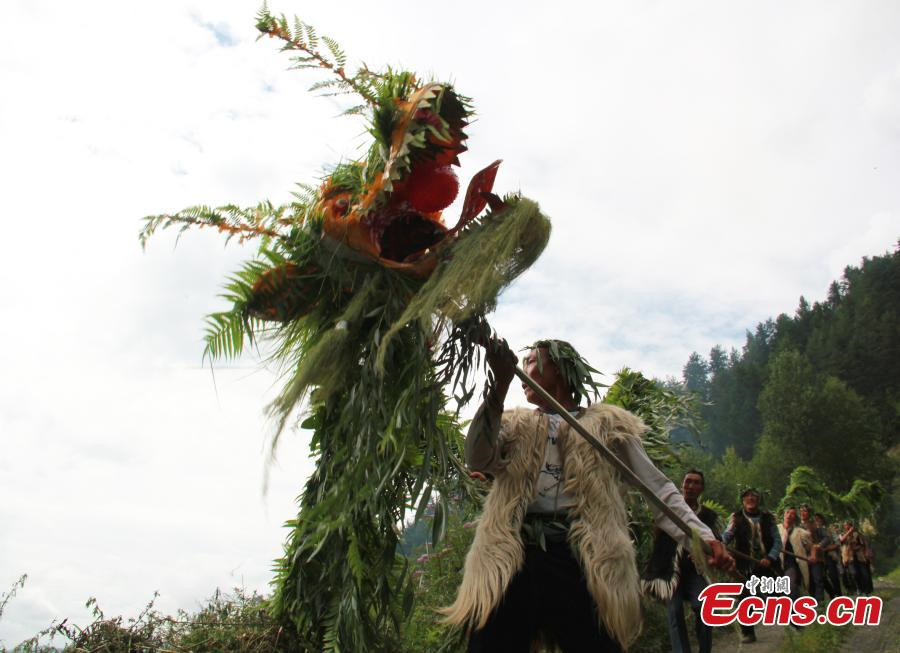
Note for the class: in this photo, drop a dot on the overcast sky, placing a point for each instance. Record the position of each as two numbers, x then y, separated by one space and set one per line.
704 165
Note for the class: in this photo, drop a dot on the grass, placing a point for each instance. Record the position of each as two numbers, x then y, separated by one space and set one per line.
814 639
893 582
227 623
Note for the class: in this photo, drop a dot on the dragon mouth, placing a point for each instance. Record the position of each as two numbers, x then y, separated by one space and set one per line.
408 236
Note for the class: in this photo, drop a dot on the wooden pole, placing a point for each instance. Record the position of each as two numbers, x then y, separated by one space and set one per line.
622 468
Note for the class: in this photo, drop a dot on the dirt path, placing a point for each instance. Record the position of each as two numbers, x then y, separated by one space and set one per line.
768 639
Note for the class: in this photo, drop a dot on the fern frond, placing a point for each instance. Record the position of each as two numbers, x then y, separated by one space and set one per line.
227 331
348 91
304 37
307 195
328 83
339 56
357 110
264 20
263 220
298 31
311 36
225 335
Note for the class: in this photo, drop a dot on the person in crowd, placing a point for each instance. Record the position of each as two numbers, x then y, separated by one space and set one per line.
855 555
830 549
816 563
671 575
754 532
796 548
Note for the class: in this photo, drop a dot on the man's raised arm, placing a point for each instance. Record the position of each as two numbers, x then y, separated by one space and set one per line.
483 449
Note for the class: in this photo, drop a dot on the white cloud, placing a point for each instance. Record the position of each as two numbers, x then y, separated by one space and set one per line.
704 166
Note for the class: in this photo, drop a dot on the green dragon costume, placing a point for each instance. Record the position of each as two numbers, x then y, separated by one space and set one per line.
370 306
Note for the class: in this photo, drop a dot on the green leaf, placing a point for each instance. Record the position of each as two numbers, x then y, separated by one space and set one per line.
439 523
311 423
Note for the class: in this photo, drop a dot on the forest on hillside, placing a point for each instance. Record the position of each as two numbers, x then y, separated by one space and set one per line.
819 388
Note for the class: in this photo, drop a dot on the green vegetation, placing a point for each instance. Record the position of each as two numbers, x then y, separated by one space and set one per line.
227 623
894 577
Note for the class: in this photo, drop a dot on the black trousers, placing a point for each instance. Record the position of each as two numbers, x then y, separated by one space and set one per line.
771 570
817 580
862 576
688 591
549 595
832 578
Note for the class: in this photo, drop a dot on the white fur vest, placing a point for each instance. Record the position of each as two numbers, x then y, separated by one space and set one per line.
802 545
598 534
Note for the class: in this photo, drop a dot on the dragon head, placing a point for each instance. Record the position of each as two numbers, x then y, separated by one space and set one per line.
387 209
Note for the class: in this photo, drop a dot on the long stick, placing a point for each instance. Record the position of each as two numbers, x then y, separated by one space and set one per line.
623 469
799 557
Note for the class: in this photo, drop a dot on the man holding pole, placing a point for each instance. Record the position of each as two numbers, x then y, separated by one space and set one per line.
754 532
816 564
856 554
796 549
552 557
672 577
831 556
